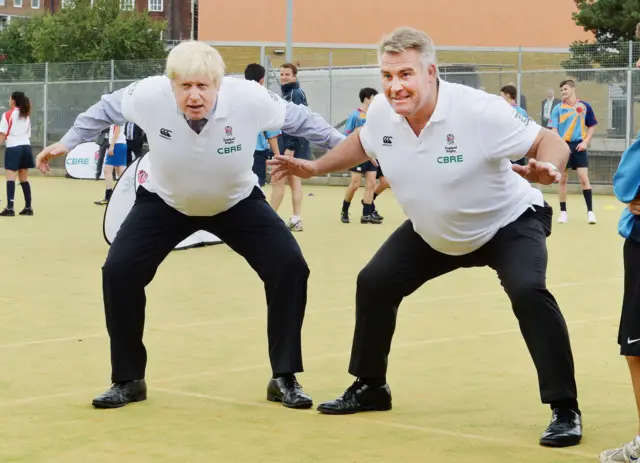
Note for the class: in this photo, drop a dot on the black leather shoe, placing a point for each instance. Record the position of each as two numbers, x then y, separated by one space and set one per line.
359 397
564 430
287 389
120 394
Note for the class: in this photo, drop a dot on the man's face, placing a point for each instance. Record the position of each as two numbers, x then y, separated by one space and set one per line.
195 96
550 94
568 91
286 76
407 84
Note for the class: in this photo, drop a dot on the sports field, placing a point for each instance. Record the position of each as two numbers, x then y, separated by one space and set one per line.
463 385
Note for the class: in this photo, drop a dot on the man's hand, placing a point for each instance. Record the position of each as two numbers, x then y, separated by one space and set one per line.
283 166
582 146
634 207
50 152
543 173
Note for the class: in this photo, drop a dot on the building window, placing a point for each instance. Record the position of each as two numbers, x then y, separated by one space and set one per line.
155 5
1 2
17 3
35 3
126 5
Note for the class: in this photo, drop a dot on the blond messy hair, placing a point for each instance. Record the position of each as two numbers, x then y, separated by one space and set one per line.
195 59
408 38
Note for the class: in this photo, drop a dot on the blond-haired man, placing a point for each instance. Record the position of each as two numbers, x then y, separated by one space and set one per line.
201 128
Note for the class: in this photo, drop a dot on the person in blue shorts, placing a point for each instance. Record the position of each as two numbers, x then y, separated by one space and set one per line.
369 168
116 159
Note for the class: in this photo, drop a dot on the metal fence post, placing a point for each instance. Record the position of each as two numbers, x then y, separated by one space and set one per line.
330 87
46 103
629 127
263 51
112 76
519 77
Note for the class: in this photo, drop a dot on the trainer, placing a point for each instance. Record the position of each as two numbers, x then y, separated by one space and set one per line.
446 151
201 129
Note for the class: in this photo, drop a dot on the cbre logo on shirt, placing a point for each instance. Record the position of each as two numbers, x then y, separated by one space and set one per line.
227 150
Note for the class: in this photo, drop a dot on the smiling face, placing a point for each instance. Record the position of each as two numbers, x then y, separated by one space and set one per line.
195 96
408 83
287 76
568 92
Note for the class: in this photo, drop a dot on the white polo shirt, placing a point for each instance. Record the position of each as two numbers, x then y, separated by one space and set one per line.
207 173
16 128
121 136
454 181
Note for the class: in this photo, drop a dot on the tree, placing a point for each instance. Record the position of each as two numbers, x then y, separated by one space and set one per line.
84 32
613 23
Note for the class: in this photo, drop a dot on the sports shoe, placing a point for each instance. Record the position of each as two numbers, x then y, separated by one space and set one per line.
564 218
628 453
102 202
295 226
8 213
344 217
26 211
591 217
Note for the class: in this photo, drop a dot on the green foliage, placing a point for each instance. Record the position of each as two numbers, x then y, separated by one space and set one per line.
613 23
82 32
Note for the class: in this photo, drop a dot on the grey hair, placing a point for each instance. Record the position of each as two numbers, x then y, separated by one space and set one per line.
407 38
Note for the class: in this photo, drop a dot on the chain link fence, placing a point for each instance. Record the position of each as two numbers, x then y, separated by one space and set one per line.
606 77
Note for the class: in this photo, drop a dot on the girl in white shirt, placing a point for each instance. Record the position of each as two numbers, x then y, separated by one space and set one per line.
15 131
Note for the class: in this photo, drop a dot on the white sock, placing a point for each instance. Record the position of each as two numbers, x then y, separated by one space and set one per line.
295 219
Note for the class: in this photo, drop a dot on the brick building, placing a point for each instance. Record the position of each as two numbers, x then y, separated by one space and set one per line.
177 13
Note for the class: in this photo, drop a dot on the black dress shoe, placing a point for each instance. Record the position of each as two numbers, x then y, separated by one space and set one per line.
564 430
120 394
359 397
287 389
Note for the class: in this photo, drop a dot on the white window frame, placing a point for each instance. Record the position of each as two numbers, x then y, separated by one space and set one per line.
153 6
127 5
35 4
17 3
1 2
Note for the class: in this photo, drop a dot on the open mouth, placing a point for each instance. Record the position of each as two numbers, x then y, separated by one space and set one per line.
195 107
401 98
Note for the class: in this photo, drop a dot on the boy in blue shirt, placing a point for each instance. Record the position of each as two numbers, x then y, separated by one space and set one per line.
575 121
369 169
510 94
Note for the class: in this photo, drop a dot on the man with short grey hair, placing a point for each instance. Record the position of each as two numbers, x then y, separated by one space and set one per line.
201 128
446 150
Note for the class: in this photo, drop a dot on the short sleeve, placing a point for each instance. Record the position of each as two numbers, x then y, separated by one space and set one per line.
4 125
590 117
138 99
367 141
350 126
269 108
272 133
554 120
504 132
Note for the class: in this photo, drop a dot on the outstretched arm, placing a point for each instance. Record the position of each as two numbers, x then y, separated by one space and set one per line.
94 120
299 121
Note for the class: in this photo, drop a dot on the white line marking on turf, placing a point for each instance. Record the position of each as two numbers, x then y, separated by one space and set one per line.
390 424
265 366
309 313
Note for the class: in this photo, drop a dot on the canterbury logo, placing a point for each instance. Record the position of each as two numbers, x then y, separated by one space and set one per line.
164 133
386 141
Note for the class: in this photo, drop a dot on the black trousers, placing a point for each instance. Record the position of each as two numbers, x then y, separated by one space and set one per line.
251 228
517 253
